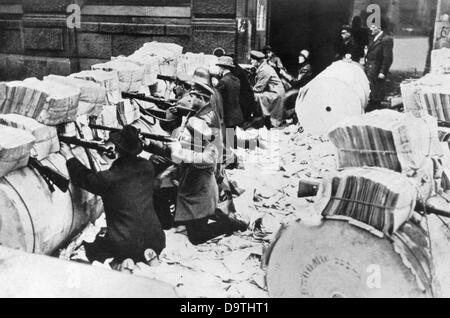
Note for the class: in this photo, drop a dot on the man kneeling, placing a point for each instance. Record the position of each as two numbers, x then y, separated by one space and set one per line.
127 193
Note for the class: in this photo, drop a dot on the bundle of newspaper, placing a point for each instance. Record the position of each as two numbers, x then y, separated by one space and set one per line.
46 137
149 63
107 80
130 75
48 102
189 62
428 95
167 54
380 198
386 139
92 97
15 148
128 112
440 61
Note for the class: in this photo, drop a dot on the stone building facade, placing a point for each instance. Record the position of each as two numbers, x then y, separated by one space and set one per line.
35 39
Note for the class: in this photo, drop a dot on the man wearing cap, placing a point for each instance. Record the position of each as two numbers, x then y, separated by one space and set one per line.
345 46
268 89
274 61
230 88
183 86
198 193
304 73
126 189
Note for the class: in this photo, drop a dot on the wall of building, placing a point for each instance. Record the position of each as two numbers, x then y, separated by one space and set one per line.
36 40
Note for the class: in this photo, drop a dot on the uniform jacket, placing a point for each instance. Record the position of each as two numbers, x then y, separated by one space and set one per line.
269 92
230 88
198 193
127 193
267 80
379 56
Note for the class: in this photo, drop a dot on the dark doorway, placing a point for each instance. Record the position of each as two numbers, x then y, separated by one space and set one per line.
307 24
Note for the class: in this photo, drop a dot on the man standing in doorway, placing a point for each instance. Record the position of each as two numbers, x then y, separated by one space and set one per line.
378 62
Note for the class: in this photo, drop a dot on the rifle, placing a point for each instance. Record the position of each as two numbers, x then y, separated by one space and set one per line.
51 177
154 137
159 102
93 145
144 135
166 78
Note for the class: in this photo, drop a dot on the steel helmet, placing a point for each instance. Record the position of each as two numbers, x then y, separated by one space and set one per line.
202 75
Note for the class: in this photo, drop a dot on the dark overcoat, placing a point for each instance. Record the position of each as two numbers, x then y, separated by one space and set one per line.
230 88
127 193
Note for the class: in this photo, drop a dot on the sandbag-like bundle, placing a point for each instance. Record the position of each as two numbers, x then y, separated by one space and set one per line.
189 62
150 64
440 61
48 102
128 112
428 95
173 48
130 74
410 96
387 139
15 148
380 198
46 137
92 97
108 80
167 54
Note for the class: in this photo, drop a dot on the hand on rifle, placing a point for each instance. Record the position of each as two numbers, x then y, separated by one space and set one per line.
173 110
66 151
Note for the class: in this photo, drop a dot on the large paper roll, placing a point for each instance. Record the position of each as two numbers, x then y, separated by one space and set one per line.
325 102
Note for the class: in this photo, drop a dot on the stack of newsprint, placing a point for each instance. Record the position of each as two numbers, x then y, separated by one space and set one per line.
31 109
385 161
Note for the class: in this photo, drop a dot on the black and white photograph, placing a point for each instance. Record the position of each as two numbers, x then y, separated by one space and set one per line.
224 153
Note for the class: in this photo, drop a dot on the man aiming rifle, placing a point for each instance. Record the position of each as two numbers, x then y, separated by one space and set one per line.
126 189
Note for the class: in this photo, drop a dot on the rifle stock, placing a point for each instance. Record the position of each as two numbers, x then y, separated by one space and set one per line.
99 147
50 176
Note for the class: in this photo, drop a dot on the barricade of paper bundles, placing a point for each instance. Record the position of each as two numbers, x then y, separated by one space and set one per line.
31 109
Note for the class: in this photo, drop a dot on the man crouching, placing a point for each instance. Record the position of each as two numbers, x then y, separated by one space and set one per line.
127 193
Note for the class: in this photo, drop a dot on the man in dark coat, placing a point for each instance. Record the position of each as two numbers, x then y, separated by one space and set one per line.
230 87
379 60
347 46
127 193
249 107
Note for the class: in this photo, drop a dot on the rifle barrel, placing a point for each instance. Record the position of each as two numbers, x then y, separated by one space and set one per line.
89 145
150 99
144 135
